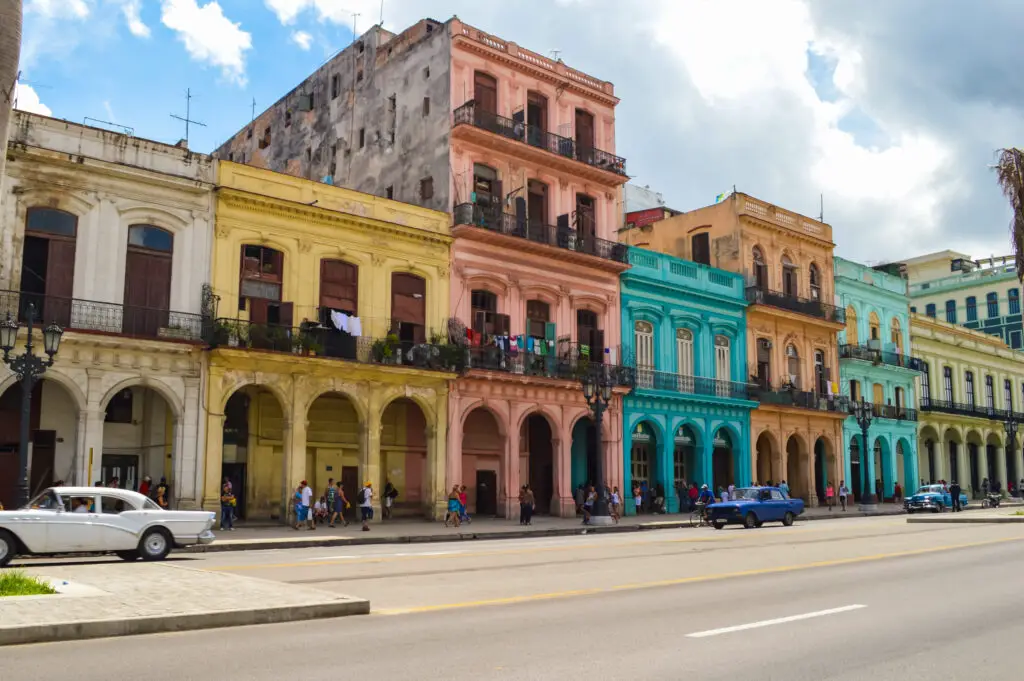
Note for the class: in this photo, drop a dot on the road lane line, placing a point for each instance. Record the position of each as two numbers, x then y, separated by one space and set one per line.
778 620
513 600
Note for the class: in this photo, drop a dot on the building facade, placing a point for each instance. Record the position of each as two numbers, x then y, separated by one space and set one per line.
786 261
520 149
688 418
109 236
875 367
329 355
972 400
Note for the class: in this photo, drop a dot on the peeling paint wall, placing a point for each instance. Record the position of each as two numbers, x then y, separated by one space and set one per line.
368 128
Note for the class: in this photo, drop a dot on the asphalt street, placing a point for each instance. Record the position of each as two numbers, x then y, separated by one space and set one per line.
853 599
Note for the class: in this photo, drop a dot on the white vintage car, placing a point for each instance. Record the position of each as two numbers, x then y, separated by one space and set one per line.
99 520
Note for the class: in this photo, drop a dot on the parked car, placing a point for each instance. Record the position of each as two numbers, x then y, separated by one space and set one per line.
934 498
755 506
99 520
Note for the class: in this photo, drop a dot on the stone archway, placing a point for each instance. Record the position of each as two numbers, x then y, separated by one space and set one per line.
769 459
796 468
825 467
404 459
725 464
537 447
483 450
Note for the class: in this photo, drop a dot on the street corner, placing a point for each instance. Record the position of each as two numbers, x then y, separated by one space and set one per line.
100 599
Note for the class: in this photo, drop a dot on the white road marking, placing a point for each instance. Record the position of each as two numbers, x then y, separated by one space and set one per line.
383 555
780 620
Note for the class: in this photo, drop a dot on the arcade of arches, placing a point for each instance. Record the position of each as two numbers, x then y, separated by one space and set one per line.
806 460
969 454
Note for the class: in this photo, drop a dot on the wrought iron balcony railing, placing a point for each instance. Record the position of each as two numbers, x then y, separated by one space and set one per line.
470 114
814 308
564 366
647 379
132 321
322 341
889 411
785 396
876 356
970 409
565 238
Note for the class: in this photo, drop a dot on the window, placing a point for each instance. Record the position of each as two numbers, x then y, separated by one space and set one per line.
700 248
335 86
851 326
898 393
426 106
119 408
926 389
929 310
265 141
248 133
896 335
947 387
426 188
362 137
389 191
643 339
1008 394
972 309
1014 300
793 364
589 336
1015 340
309 154
339 286
815 282
79 504
854 390
408 307
760 269
231 156
485 93
288 118
151 238
484 308
641 466
426 72
359 76
789 278
913 308
261 273
360 47
114 505
992 300
874 326
723 362
684 352
990 396
877 393
538 316
969 388
51 221
951 311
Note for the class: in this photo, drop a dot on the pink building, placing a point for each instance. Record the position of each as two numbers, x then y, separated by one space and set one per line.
520 148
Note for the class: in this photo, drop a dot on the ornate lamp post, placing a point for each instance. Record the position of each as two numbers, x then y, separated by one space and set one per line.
1010 425
28 368
862 413
597 389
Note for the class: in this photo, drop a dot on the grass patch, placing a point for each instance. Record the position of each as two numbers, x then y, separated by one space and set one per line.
17 583
1018 512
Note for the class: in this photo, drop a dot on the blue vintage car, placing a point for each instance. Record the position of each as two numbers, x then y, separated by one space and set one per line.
754 506
934 498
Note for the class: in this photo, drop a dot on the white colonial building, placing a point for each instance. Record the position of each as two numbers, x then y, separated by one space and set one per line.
109 236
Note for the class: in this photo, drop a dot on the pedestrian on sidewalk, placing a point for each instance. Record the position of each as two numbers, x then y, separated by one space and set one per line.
638 499
522 505
616 505
453 513
300 514
578 496
588 505
783 487
844 492
366 505
144 488
307 503
339 506
954 490
227 507
693 494
464 505
331 497
897 493
390 494
830 494
531 504
878 489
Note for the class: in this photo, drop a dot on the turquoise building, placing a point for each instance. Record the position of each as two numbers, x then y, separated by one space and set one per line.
684 327
875 366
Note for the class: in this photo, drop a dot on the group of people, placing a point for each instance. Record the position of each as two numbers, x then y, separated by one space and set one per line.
160 493
457 513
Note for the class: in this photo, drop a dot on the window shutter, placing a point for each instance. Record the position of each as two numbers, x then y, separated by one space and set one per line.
503 325
258 310
286 313
597 352
549 331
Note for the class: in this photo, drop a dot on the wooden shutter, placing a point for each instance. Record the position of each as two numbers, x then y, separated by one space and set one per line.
339 286
286 314
584 130
405 306
485 92
701 248
60 282
502 325
147 293
258 310
597 348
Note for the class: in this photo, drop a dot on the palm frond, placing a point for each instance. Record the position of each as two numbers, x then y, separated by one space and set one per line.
1010 175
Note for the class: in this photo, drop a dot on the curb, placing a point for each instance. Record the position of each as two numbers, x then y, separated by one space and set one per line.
267 545
69 631
957 521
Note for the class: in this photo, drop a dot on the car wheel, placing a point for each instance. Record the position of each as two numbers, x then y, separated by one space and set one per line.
127 555
986 503
939 509
718 524
787 519
155 544
750 521
8 547
759 523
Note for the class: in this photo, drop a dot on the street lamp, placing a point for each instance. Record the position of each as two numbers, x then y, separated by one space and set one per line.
28 368
862 413
597 390
1010 425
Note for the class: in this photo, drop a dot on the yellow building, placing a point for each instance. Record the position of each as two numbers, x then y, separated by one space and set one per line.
972 396
329 354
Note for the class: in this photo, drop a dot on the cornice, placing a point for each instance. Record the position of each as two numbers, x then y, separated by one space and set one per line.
825 244
286 365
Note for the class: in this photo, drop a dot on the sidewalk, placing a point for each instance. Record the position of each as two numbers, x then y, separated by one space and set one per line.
411 531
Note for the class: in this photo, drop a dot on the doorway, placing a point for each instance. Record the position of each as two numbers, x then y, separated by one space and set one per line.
44 448
235 473
350 483
486 493
541 464
124 467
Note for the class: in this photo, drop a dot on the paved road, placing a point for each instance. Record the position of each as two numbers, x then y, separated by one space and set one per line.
871 598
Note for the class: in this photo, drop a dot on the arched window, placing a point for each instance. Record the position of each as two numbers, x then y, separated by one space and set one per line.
147 280
408 307
723 359
874 327
48 265
969 388
815 278
851 326
855 390
821 373
793 364
641 462
878 393
790 287
684 352
992 300
760 269
896 335
643 342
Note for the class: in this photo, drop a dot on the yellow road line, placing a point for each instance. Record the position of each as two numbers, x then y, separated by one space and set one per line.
512 600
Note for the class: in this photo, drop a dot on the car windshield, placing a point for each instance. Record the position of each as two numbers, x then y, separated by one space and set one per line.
745 493
47 500
930 489
150 505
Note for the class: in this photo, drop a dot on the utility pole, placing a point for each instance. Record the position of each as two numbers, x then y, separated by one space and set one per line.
188 114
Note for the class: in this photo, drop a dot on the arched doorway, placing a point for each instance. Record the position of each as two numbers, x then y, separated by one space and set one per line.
53 420
723 460
769 465
882 484
953 444
253 454
996 476
643 461
796 467
483 446
975 450
583 454
824 467
535 441
139 440
684 463
929 443
403 457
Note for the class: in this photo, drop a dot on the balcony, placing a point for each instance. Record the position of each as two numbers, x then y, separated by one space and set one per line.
785 396
647 379
888 411
877 356
565 238
91 316
969 409
562 363
812 308
538 138
322 341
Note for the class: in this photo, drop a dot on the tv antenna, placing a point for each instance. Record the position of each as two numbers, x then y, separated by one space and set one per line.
188 114
555 54
253 109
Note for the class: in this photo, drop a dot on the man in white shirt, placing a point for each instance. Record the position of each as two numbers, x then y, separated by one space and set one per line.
307 502
366 505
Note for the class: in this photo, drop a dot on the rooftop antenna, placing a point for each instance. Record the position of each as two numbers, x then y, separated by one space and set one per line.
821 208
382 13
355 15
188 113
253 109
555 54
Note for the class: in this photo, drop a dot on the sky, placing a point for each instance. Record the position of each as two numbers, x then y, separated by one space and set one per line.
887 113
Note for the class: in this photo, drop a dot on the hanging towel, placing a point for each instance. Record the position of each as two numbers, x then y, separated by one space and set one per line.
585 351
355 327
340 320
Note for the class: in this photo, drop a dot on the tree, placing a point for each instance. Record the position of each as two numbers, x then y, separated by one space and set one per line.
10 52
1010 173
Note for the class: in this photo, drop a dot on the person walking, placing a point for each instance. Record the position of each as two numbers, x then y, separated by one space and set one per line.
531 504
830 494
366 505
307 504
578 498
616 505
844 492
227 507
954 491
897 493
453 507
331 498
300 513
390 494
464 506
588 505
638 499
339 506
784 488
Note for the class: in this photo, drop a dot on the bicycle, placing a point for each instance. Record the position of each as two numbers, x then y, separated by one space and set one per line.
699 517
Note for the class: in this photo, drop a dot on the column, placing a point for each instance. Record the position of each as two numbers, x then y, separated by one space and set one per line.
369 454
983 471
182 491
1001 473
436 483
79 472
294 436
188 463
92 444
453 455
628 508
867 465
667 456
562 502
214 460
706 471
911 472
508 496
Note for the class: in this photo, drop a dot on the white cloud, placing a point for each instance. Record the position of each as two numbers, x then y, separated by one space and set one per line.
302 39
58 9
336 11
26 99
209 36
131 9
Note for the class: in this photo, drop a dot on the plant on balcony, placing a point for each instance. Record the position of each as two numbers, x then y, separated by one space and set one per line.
221 335
307 344
385 350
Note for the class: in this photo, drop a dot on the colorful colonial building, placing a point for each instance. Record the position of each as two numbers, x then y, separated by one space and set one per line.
786 260
875 367
108 235
520 148
972 401
329 356
688 419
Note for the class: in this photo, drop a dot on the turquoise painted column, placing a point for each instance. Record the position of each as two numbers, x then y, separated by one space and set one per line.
627 466
744 478
847 467
667 456
913 478
706 470
868 466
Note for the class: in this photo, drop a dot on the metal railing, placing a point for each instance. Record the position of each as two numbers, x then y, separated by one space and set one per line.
785 396
322 341
647 379
132 321
876 356
565 238
889 411
563 366
471 114
970 409
813 308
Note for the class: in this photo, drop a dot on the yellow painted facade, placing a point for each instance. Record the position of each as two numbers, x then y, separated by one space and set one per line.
279 416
